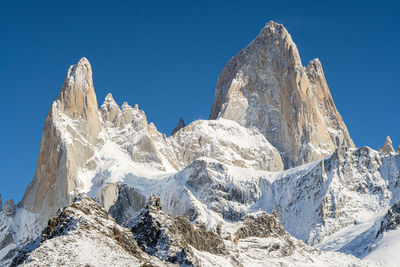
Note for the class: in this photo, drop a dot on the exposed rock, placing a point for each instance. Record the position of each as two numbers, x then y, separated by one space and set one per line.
10 208
108 195
387 147
391 220
179 126
227 142
68 142
260 225
266 86
6 240
1 204
81 234
129 202
110 111
170 239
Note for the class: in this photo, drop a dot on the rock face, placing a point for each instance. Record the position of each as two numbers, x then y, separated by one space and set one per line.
171 239
179 126
387 147
227 142
81 234
391 220
129 202
9 208
266 86
68 141
84 234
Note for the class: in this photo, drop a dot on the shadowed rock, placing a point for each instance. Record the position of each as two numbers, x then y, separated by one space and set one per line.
179 126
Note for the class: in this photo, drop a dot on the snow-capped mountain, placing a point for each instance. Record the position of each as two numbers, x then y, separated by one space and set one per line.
273 178
84 234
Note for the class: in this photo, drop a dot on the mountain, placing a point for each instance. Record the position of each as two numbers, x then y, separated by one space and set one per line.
273 178
84 234
157 239
266 86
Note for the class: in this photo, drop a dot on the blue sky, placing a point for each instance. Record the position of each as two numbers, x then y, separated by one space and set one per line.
166 57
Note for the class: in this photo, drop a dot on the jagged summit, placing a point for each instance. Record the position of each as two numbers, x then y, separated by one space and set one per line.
77 94
179 126
69 138
265 86
387 146
215 180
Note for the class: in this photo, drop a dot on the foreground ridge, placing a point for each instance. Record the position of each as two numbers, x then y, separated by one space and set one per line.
83 233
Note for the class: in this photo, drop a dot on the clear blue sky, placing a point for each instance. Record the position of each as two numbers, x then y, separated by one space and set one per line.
166 56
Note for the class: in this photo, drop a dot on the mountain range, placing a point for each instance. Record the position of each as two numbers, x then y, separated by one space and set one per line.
272 178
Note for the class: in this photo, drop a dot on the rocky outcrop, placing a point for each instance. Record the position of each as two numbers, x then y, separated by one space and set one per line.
391 220
10 208
83 233
110 111
387 147
227 142
129 202
266 86
260 225
69 138
171 239
179 126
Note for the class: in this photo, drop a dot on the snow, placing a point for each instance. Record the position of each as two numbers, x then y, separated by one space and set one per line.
386 251
216 172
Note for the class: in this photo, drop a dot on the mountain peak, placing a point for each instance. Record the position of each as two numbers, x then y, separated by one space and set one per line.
274 27
179 126
109 96
266 86
387 146
109 109
77 96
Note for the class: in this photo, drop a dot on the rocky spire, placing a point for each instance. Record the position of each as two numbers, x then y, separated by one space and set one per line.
77 97
266 86
109 109
387 146
69 137
179 126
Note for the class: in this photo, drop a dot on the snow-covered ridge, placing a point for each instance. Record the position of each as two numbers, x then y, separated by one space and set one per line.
85 234
221 174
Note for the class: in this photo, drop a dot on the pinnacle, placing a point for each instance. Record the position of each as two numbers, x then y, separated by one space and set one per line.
388 146
109 96
83 62
314 67
273 24
180 125
81 69
274 28
125 105
314 61
109 101
153 203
